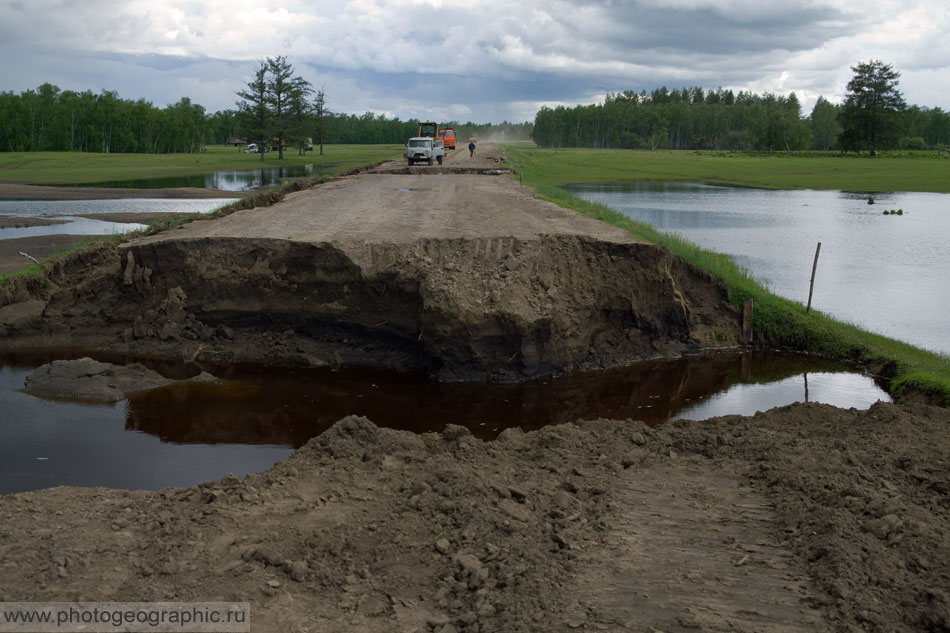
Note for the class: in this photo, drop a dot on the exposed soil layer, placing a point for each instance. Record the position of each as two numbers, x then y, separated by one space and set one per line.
461 276
804 518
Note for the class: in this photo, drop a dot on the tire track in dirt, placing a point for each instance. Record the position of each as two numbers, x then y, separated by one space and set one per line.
692 548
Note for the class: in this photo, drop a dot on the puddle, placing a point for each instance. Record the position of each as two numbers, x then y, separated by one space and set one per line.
74 226
69 209
185 434
224 180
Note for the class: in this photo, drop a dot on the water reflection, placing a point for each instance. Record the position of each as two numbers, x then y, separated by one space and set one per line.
75 226
291 406
60 208
69 209
886 274
225 180
187 433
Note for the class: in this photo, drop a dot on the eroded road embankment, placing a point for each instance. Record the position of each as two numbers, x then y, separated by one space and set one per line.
460 275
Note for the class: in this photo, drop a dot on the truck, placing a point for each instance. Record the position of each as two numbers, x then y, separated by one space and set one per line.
424 148
448 137
429 128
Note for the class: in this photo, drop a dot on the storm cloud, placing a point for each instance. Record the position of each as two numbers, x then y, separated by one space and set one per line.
483 60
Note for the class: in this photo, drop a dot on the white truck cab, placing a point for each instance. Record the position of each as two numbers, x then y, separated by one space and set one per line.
424 148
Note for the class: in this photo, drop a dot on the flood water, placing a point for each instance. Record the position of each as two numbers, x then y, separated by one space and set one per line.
885 273
69 209
225 180
188 433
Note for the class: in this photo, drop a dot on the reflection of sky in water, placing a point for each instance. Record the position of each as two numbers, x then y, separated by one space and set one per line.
225 180
47 443
65 209
884 273
39 208
840 389
78 226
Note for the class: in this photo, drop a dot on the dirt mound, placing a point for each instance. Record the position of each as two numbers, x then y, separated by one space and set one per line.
455 308
376 530
88 379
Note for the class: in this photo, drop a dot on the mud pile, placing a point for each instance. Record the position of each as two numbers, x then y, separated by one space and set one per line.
370 529
456 308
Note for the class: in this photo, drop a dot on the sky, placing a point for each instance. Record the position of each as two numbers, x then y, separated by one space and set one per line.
472 60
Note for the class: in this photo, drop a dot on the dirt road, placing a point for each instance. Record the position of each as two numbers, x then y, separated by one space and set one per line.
803 518
456 271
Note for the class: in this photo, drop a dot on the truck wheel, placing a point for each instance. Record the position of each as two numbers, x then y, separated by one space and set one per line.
410 161
430 162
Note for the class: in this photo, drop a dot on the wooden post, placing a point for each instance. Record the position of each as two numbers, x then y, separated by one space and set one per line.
811 286
745 366
747 321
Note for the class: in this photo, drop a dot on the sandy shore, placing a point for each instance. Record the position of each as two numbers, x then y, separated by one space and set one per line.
14 222
40 247
19 191
44 246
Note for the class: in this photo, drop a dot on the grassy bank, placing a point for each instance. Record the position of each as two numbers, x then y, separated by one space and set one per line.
776 320
903 171
79 167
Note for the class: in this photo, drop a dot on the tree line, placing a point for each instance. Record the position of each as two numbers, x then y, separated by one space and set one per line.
51 119
872 117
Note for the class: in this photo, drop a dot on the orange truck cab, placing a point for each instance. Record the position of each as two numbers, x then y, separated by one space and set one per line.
448 136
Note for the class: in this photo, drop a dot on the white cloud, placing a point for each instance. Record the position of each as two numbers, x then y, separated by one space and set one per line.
495 58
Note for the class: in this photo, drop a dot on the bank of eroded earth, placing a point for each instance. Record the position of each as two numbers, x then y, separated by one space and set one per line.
803 518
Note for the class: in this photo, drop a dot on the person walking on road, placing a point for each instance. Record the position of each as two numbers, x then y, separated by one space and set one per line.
471 149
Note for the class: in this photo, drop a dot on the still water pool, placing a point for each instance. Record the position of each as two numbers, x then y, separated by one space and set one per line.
224 180
69 209
885 273
188 433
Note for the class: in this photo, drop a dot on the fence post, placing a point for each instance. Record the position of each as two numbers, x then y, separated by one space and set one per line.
811 285
747 321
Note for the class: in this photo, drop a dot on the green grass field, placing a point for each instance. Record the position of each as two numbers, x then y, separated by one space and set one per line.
776 320
903 171
79 167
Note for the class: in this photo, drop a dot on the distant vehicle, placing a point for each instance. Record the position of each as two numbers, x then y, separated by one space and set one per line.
448 136
429 128
251 148
424 148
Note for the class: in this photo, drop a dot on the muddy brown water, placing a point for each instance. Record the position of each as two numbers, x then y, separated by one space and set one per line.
188 433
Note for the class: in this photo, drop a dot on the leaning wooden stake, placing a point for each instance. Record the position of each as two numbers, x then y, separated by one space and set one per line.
747 321
811 286
30 256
